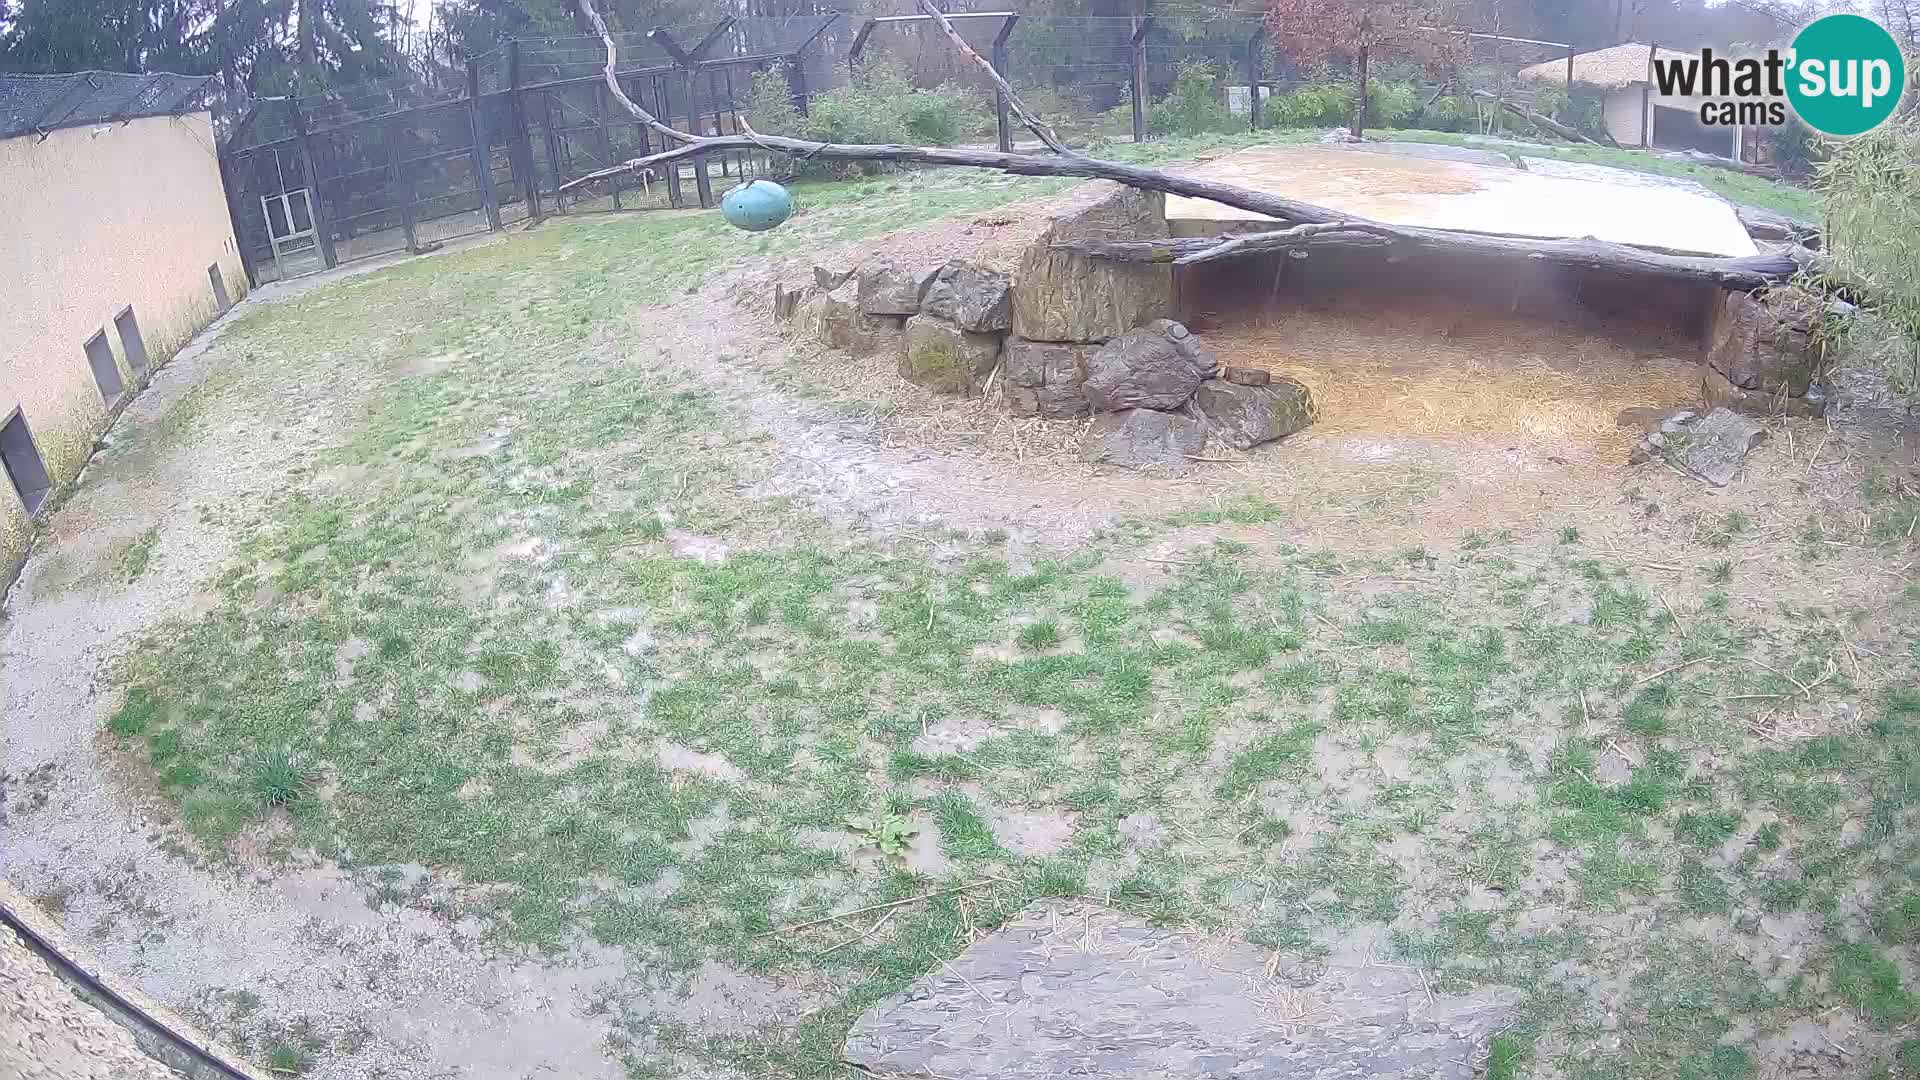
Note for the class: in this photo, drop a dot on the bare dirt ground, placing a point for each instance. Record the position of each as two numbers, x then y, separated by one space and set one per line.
48 1034
486 690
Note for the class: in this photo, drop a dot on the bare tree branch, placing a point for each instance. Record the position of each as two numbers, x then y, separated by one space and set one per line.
1545 123
613 82
1033 123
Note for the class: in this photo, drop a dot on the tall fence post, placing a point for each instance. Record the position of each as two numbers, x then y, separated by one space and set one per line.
229 183
520 149
402 185
1646 102
663 97
797 64
797 82
552 143
600 100
482 149
1142 23
317 199
1002 127
689 63
1254 50
702 184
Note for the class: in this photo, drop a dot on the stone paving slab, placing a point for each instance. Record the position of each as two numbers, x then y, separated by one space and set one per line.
1069 989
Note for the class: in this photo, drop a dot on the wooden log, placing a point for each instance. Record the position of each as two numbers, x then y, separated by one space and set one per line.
1751 272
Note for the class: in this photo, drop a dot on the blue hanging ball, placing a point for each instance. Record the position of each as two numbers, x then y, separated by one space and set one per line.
757 205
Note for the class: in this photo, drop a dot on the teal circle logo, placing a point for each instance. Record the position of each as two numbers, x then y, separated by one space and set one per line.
1847 75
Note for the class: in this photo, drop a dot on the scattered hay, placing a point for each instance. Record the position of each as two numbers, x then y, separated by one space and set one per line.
1519 383
869 390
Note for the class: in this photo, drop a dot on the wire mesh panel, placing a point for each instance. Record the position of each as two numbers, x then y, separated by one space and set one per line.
273 212
401 163
44 103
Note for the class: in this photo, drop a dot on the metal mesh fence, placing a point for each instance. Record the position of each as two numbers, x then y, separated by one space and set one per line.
400 163
43 103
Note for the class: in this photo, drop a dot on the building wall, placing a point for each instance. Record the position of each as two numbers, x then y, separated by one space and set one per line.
93 219
1621 111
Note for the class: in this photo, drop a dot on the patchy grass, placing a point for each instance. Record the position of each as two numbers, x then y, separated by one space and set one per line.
476 638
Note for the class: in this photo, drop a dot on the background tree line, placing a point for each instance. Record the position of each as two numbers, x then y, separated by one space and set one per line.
272 46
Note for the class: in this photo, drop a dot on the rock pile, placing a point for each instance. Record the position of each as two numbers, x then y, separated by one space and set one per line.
1157 392
1711 447
1070 336
951 323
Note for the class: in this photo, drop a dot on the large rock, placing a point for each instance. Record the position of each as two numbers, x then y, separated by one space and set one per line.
1138 438
1157 366
1046 378
971 297
1077 990
1061 296
842 325
789 295
833 271
1711 447
1772 344
887 288
944 358
1243 417
1718 392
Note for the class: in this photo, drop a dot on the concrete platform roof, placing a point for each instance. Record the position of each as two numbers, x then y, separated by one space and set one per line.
1450 194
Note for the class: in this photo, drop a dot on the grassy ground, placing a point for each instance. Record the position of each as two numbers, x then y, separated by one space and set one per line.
528 626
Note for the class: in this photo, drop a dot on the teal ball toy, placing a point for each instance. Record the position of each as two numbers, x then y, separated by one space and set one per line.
757 205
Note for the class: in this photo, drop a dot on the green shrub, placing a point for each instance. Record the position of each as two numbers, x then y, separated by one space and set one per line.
942 116
869 108
1873 234
1330 104
1452 112
1797 151
770 103
1391 104
1194 105
876 105
1327 104
1580 110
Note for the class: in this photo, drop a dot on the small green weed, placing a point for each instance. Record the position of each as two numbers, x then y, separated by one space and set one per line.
277 777
891 833
287 1059
139 554
1043 634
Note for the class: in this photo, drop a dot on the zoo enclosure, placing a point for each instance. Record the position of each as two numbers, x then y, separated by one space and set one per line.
397 165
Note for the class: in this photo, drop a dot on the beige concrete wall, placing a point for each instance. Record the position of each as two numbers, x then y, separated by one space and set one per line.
93 219
1622 110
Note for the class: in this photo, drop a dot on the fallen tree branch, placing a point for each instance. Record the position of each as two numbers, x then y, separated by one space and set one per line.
1746 273
1259 202
1224 247
1034 124
1545 123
